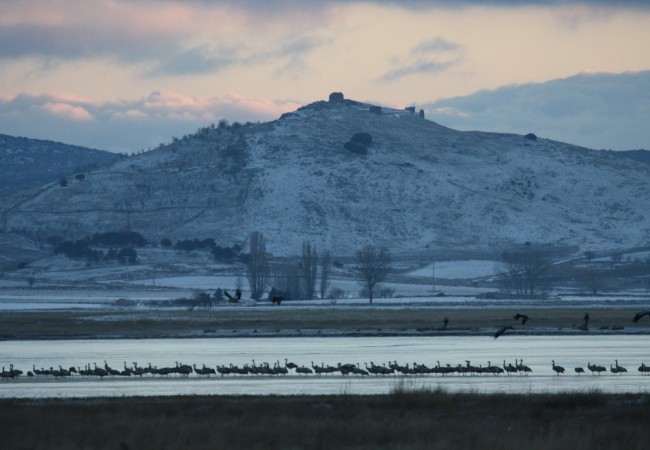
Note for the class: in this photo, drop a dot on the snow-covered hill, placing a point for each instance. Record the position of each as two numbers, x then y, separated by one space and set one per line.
419 185
29 163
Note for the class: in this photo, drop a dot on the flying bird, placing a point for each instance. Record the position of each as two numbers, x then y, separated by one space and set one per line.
524 318
502 330
639 315
234 299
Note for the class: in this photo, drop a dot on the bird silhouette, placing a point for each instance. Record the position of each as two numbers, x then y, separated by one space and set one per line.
558 369
234 299
445 321
523 317
584 326
502 330
639 315
619 369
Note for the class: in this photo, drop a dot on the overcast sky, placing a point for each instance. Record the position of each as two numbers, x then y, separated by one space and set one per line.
125 75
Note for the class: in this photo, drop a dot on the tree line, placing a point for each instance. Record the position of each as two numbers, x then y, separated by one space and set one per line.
310 275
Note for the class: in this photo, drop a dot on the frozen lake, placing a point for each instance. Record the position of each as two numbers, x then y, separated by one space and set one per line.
536 351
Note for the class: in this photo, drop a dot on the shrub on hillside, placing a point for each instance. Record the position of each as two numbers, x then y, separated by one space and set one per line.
118 239
127 256
225 254
78 250
362 138
359 143
187 245
355 147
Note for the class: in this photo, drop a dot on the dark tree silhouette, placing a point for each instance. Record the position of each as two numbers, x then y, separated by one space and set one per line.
372 267
325 271
309 269
257 270
524 269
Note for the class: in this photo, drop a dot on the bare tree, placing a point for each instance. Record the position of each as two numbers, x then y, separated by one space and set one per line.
309 269
524 270
325 270
592 280
372 267
286 279
257 270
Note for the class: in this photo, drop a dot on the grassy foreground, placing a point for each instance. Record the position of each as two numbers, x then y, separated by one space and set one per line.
403 420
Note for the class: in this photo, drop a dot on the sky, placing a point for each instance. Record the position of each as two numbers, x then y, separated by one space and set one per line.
127 75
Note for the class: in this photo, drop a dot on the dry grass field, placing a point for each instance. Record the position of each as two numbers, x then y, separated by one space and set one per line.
403 419
295 321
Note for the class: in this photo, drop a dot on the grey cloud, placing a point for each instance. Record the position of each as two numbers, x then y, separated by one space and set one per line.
102 37
435 45
203 59
291 48
417 68
592 110
80 41
195 61
281 6
161 51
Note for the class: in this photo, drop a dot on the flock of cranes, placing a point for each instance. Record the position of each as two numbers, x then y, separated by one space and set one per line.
583 325
290 368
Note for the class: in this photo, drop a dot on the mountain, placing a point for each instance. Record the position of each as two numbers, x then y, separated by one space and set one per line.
343 174
29 163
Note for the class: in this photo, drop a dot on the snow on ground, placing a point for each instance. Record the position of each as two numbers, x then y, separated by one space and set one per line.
458 269
169 275
203 282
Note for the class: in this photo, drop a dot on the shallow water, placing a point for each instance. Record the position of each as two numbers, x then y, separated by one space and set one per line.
536 351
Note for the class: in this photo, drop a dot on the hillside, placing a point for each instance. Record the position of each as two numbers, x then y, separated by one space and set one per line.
637 155
30 163
419 185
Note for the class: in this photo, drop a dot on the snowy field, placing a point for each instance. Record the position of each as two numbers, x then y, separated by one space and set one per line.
458 269
154 298
61 284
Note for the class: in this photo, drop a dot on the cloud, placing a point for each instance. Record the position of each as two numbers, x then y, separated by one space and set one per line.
284 5
67 110
147 29
197 60
127 125
437 44
601 111
417 68
425 58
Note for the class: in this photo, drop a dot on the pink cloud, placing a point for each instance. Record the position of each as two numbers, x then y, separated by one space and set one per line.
169 100
68 111
267 107
132 123
179 106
